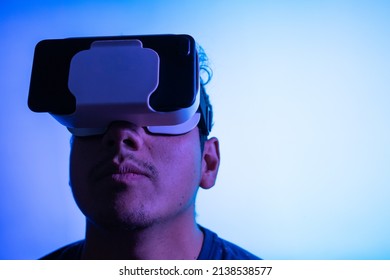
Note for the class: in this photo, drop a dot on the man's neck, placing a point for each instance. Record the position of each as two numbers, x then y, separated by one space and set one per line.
163 241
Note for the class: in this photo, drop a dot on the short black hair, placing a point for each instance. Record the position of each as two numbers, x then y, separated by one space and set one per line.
205 74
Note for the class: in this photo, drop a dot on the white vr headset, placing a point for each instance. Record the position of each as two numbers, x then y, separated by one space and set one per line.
151 81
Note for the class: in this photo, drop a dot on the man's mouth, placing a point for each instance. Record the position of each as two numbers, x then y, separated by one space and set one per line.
121 173
127 172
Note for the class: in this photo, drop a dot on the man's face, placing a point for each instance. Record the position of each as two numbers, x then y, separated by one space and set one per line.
128 178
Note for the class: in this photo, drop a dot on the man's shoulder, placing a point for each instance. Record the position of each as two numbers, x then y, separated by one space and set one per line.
68 252
216 248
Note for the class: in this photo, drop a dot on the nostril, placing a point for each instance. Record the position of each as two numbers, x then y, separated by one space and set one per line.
130 143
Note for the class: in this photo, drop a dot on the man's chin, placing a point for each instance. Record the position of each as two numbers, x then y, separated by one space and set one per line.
115 223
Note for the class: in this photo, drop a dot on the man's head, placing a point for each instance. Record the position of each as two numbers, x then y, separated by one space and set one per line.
136 159
130 178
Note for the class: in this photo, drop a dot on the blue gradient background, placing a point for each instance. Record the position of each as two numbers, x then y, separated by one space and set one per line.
301 93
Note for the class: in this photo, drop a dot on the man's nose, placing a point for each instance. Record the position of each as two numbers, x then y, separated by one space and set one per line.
123 135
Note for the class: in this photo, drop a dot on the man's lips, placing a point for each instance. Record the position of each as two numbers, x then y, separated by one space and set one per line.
122 172
127 169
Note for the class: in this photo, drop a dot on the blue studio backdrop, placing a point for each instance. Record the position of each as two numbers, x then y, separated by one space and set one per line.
301 98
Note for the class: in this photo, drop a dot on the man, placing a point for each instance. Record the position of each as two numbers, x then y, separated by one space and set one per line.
137 190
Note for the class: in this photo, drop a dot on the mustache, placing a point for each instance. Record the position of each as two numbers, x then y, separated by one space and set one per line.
128 164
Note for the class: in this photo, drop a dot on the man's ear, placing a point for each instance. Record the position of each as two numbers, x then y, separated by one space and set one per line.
210 163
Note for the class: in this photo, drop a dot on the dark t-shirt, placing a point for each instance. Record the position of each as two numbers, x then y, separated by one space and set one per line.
213 248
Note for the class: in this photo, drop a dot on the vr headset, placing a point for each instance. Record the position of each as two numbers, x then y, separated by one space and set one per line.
151 81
